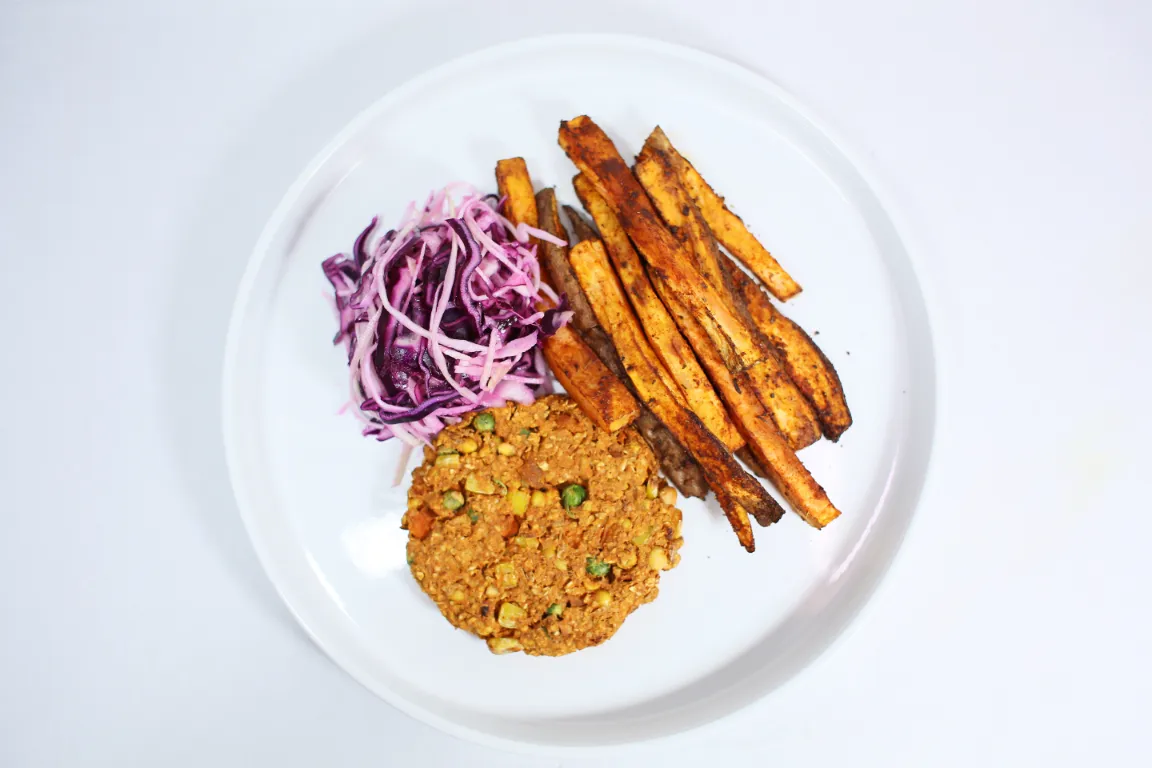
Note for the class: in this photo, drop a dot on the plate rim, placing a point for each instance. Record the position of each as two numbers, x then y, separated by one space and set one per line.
638 44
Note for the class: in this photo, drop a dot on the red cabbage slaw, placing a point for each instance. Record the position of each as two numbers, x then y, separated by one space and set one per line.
443 315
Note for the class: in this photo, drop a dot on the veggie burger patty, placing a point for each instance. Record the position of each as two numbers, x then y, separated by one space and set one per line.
534 529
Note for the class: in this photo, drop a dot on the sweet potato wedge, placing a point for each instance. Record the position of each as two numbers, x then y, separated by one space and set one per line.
659 326
515 188
737 491
670 260
676 463
659 171
596 157
597 391
805 362
674 389
582 229
656 170
557 272
743 402
786 471
733 234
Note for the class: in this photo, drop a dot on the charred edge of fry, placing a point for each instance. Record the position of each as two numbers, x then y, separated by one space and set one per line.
738 492
807 365
734 234
548 214
582 229
738 518
745 455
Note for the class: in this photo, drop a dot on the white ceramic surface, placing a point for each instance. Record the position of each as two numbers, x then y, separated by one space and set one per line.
728 627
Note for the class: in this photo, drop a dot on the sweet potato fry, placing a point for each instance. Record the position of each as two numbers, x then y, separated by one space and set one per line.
676 463
743 402
515 188
595 155
786 471
736 490
731 231
581 227
664 175
670 260
745 455
602 396
674 353
659 171
557 272
806 364
597 391
662 372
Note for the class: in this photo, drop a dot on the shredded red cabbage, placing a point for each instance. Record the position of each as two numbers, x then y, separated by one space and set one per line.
443 315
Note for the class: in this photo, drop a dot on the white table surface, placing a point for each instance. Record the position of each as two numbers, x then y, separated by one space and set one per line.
142 146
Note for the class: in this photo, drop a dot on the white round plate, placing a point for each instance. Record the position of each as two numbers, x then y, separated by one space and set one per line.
728 627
